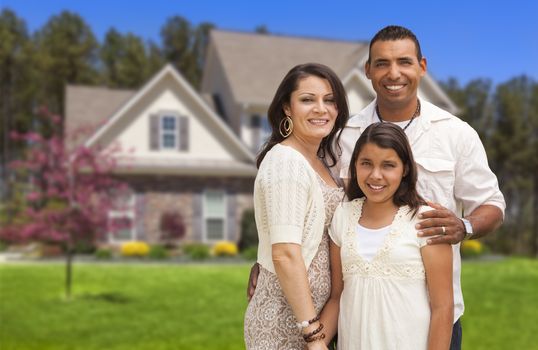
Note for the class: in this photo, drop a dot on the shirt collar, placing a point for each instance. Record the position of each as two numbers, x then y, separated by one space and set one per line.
429 113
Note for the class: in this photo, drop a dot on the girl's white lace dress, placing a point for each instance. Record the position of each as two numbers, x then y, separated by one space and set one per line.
384 304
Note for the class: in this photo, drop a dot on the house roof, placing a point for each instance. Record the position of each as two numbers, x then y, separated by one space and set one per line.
104 108
255 63
88 106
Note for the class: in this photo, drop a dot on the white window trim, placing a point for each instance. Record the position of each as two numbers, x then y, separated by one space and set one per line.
163 132
224 218
128 212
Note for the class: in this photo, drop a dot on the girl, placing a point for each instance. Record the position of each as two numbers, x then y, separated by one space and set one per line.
394 291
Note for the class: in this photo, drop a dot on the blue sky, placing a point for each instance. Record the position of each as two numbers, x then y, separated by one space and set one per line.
464 39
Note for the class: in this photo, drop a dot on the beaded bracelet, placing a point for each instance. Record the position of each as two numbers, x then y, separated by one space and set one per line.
305 324
314 332
314 338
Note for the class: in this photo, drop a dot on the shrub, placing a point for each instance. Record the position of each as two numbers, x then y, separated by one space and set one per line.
225 248
249 234
134 249
85 247
471 248
250 253
196 251
172 227
158 252
103 253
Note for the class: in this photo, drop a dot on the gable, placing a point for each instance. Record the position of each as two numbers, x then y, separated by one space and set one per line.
210 142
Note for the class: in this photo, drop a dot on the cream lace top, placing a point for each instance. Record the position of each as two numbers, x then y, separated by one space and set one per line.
288 204
384 303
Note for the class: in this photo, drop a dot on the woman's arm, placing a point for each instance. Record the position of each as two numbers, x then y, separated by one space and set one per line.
292 275
438 264
329 314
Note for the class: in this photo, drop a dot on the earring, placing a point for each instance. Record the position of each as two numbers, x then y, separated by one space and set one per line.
286 127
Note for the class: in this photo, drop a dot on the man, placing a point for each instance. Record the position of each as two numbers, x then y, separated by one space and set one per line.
453 173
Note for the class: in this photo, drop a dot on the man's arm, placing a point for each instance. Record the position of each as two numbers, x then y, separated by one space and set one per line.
484 219
253 280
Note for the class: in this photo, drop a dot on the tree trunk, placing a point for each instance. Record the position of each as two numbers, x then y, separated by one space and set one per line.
535 216
68 272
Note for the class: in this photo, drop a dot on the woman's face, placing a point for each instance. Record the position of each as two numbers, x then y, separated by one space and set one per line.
312 109
379 172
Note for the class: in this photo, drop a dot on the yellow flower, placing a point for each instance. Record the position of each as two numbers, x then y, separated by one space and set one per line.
135 248
225 248
471 247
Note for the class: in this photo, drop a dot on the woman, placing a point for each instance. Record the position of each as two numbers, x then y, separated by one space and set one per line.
294 198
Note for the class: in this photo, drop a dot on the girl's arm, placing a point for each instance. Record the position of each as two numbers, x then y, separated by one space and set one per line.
329 314
438 264
292 275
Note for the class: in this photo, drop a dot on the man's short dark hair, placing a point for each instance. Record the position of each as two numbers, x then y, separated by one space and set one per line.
391 33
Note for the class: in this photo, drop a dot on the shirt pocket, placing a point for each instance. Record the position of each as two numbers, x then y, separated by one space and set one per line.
436 180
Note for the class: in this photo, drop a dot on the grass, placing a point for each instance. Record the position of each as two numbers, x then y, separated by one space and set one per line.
201 306
501 300
123 307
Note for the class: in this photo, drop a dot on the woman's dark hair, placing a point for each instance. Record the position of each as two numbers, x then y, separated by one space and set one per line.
289 84
388 135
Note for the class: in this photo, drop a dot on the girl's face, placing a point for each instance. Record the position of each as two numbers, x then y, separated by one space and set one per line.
379 173
312 109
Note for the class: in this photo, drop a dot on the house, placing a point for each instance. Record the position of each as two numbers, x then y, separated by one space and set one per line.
243 70
193 152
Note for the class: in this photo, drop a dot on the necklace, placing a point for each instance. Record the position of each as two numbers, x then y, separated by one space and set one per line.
416 114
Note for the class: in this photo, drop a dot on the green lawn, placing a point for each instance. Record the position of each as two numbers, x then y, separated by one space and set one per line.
127 306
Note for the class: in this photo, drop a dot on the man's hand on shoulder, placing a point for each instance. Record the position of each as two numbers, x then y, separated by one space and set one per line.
442 225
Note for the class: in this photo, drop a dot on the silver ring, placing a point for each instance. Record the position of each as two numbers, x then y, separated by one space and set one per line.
444 230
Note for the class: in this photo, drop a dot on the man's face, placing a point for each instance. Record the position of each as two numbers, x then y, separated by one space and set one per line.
395 72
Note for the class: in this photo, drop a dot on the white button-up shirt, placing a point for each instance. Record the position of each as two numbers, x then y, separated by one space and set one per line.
452 167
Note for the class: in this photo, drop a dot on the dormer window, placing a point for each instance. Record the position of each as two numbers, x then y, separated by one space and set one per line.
169 131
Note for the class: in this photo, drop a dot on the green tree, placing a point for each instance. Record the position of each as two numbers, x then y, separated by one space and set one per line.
474 102
15 88
514 159
125 60
185 46
66 54
261 29
176 46
533 164
156 59
199 47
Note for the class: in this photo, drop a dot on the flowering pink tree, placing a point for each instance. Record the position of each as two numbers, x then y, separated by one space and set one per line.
70 193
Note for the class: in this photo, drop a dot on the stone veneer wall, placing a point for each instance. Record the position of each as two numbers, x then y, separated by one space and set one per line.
157 194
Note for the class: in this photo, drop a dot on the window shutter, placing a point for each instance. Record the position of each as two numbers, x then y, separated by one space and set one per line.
197 217
139 216
231 208
154 132
183 132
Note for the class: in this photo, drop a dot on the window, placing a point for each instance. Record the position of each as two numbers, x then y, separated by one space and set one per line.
214 205
260 131
122 225
266 129
168 132
255 121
